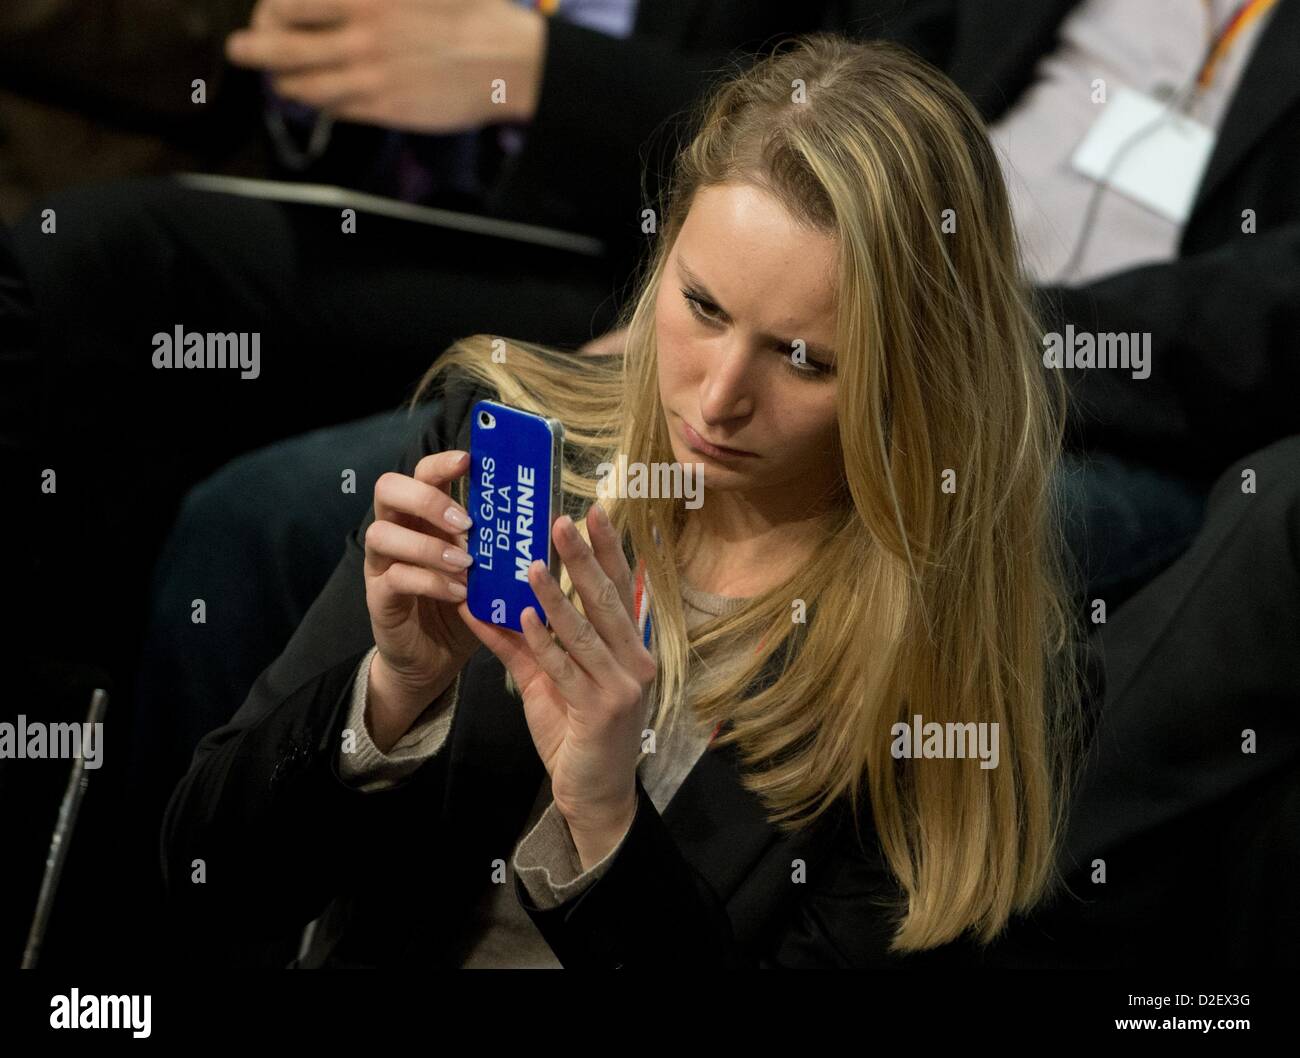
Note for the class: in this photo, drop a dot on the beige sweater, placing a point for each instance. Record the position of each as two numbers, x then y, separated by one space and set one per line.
499 932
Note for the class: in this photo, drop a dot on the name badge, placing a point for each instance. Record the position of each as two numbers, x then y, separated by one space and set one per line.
1162 169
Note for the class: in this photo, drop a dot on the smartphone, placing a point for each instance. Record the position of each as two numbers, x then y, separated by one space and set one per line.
514 498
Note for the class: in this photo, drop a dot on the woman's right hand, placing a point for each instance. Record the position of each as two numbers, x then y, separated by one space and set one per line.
414 586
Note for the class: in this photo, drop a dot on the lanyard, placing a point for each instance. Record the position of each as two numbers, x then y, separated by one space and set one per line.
641 604
1245 14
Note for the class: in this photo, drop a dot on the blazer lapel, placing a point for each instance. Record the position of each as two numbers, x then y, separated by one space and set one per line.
1269 85
719 826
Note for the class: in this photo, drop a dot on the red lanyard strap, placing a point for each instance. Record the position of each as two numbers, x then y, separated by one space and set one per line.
1245 14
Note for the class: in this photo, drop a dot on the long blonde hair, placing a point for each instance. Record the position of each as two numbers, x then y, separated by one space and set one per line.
950 603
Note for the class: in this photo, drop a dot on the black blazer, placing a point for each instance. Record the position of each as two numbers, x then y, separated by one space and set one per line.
1223 318
396 871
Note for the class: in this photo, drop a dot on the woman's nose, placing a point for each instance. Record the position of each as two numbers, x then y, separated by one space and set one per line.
728 384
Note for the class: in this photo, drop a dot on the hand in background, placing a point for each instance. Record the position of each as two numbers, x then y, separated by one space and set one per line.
415 65
606 344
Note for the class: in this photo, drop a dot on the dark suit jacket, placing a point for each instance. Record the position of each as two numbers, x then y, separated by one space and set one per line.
396 871
1224 317
91 91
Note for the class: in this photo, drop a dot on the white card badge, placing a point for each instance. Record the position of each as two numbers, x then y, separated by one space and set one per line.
1163 169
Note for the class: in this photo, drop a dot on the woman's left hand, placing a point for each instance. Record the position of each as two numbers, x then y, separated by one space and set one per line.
585 708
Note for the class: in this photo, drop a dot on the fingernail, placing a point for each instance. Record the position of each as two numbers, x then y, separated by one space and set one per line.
457 518
457 589
456 557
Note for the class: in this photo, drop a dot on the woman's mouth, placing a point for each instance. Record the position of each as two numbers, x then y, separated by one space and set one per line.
698 444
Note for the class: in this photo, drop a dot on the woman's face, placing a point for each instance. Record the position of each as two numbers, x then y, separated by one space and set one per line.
726 366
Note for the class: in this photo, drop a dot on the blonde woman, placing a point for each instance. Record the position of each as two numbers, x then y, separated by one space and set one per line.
832 325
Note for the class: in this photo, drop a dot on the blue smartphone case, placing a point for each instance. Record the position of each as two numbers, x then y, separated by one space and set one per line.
514 497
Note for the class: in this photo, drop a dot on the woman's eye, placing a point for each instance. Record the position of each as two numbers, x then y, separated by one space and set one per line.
809 368
697 305
702 310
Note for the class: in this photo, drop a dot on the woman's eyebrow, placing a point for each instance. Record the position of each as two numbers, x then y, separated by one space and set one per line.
818 352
